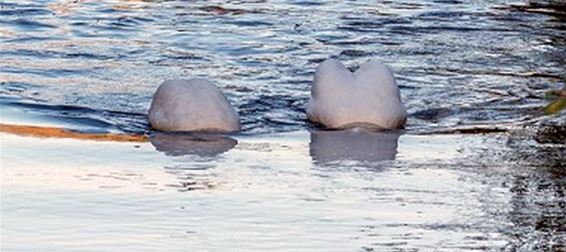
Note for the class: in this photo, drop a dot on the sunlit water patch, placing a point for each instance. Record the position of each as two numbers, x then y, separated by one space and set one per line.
264 193
282 192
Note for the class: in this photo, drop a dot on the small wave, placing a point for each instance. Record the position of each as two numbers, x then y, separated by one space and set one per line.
81 119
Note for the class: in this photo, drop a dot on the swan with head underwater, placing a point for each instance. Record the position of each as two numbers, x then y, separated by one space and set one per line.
339 99
194 105
367 98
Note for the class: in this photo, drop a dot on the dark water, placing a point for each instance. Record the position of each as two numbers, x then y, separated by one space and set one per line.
283 185
482 62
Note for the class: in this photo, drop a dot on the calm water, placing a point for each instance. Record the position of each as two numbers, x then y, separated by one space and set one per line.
282 184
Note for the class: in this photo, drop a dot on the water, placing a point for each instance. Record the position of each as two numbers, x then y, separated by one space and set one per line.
282 184
457 64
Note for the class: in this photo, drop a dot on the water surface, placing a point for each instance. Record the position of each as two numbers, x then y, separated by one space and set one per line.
483 62
283 184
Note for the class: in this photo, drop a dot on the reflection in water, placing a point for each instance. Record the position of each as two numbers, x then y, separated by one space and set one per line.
196 176
354 144
177 144
197 173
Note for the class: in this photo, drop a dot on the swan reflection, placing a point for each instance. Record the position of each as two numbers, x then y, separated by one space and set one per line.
179 144
353 144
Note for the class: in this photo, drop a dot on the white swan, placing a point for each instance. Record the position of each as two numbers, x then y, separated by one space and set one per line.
369 97
192 105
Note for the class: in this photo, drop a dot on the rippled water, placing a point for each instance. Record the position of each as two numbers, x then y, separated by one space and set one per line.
457 63
282 184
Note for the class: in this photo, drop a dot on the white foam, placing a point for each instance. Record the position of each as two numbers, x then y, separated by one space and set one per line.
368 97
192 105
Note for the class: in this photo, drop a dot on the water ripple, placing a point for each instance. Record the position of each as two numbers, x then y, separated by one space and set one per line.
486 62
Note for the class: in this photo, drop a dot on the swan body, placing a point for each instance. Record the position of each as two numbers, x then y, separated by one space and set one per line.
367 98
192 105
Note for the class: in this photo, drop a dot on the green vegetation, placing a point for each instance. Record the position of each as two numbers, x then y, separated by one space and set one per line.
558 103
